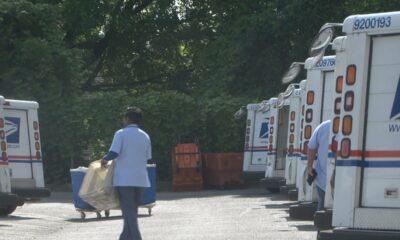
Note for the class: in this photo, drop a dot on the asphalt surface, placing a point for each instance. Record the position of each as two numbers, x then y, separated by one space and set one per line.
220 214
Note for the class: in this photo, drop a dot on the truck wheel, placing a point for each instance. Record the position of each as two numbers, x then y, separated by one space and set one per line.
273 190
323 219
6 210
293 194
326 235
107 213
303 211
283 190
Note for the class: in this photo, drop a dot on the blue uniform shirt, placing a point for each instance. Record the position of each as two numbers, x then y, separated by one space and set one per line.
320 140
133 147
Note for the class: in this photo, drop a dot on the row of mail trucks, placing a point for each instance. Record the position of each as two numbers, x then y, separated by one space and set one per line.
358 89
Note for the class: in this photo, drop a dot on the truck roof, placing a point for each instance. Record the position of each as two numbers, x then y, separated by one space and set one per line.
19 104
253 106
303 84
327 63
339 44
273 101
374 23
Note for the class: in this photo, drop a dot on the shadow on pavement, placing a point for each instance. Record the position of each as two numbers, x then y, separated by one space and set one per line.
57 197
16 218
278 206
253 195
236 193
94 219
66 197
280 197
305 227
103 219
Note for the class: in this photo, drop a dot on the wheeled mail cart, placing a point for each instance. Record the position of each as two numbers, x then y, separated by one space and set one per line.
148 199
77 176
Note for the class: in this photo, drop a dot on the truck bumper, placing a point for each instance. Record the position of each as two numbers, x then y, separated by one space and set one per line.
356 234
323 219
31 192
303 211
10 199
284 189
248 176
273 183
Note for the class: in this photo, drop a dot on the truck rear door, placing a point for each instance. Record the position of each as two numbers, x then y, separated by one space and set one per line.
327 96
260 138
281 144
19 147
381 148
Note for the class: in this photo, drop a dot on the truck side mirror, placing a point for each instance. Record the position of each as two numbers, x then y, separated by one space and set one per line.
322 41
239 113
292 72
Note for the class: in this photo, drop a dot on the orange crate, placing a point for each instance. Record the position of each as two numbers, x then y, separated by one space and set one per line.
187 187
188 161
223 161
221 178
186 148
186 156
186 168
187 176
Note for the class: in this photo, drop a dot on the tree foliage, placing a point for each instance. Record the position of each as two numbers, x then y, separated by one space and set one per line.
188 64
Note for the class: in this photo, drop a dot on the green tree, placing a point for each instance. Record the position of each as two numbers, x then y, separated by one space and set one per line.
188 64
36 65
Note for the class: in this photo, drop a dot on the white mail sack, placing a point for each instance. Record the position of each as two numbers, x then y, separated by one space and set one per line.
97 189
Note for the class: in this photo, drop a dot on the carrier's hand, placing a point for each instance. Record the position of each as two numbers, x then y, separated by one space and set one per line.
104 163
332 181
309 171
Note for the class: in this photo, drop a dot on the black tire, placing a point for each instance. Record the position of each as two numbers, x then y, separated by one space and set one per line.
6 210
323 219
325 235
282 182
293 195
303 211
273 190
284 190
107 213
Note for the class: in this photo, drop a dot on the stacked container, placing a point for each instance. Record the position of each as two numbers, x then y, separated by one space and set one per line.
186 168
222 169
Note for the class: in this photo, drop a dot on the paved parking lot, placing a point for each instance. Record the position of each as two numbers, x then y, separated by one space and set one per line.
228 214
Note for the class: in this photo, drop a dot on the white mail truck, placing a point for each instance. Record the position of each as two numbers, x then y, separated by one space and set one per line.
278 129
293 141
366 202
21 166
323 218
256 141
318 108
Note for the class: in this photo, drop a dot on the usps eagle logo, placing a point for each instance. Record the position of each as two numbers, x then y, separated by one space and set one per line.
264 129
395 114
12 129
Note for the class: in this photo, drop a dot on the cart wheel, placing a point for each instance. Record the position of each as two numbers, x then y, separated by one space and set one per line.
107 213
149 211
83 215
98 215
